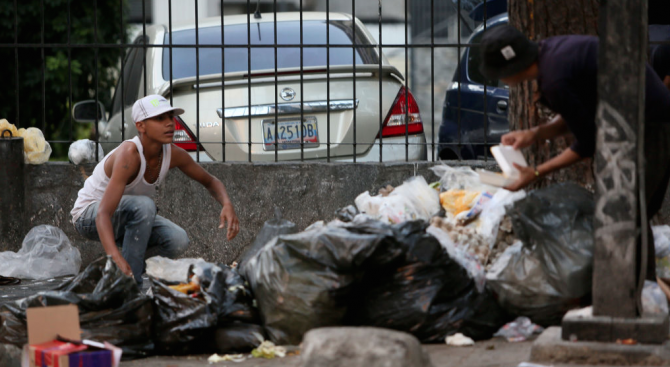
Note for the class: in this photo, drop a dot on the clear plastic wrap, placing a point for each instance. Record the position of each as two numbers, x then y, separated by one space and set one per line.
46 253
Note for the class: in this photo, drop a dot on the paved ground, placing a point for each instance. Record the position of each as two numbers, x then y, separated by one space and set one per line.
494 353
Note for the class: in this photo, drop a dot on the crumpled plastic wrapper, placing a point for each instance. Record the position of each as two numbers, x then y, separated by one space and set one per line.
459 340
83 151
215 358
268 350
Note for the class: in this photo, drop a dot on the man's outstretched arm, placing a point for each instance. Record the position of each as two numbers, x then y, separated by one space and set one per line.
185 163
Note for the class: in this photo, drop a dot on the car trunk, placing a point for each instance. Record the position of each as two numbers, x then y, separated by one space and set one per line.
341 129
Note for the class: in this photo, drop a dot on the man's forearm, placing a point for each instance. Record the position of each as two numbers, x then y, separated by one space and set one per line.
218 192
566 158
555 128
103 223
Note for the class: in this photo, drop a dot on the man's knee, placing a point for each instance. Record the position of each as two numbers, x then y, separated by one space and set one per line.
141 207
178 242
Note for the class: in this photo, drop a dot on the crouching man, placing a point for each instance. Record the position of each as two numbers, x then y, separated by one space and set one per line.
116 205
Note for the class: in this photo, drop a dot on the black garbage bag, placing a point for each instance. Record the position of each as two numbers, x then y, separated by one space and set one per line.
271 229
551 271
303 281
424 292
184 324
238 338
111 308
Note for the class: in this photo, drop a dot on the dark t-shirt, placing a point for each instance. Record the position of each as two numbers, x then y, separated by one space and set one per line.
568 70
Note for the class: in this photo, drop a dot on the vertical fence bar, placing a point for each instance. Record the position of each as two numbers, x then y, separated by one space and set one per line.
223 88
381 116
407 84
249 74
144 44
170 48
96 50
486 117
276 85
328 80
44 86
16 59
302 98
69 69
353 64
122 85
197 83
460 71
432 79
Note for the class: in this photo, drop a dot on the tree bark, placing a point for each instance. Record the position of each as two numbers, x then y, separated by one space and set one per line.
539 19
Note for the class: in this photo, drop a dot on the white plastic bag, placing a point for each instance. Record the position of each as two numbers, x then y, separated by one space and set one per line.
83 151
171 270
654 300
493 213
461 256
412 200
46 253
458 178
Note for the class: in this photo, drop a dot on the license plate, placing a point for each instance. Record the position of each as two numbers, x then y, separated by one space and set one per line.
289 133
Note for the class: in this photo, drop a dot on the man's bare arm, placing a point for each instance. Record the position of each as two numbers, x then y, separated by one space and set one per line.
185 163
126 165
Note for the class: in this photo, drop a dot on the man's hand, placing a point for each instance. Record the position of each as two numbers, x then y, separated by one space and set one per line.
519 139
526 176
122 264
228 215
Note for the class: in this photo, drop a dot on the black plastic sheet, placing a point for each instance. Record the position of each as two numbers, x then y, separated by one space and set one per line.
271 229
552 272
111 308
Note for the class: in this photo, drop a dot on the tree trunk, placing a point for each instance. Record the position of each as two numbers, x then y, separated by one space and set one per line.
538 20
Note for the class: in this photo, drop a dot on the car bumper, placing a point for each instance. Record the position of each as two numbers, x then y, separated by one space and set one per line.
392 150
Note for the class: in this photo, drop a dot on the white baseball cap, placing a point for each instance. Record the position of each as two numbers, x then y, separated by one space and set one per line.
151 106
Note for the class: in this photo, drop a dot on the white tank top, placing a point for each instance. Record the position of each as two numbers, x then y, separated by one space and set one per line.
95 186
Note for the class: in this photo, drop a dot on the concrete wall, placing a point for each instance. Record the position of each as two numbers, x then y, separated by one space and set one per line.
305 192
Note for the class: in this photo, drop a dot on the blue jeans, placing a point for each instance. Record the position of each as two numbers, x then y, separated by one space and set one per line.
138 231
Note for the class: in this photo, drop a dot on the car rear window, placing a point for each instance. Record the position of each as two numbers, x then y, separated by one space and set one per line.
263 58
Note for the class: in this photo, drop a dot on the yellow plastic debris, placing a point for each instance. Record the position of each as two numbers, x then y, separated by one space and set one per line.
268 350
457 201
36 149
5 125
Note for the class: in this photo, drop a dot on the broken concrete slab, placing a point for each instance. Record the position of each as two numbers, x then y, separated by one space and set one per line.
550 348
362 346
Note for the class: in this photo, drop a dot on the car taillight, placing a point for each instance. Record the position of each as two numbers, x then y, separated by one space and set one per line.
183 137
404 108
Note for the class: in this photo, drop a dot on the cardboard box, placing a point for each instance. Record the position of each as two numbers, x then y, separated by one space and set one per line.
47 324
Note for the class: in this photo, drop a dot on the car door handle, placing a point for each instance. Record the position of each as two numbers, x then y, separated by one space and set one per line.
502 105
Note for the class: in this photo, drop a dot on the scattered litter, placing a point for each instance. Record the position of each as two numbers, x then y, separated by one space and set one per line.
490 347
519 330
626 341
526 364
165 269
215 358
268 350
459 340
46 253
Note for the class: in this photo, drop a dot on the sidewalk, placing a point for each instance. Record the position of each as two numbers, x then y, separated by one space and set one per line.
496 352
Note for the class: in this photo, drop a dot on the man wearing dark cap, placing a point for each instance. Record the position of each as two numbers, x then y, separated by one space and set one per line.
566 69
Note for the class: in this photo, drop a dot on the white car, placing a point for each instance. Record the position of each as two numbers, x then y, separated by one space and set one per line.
363 112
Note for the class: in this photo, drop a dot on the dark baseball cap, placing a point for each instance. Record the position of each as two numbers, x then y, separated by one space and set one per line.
505 52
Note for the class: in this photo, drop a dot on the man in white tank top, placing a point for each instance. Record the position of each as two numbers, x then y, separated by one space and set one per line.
116 204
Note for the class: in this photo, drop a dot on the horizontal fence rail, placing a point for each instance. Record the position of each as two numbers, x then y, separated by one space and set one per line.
261 81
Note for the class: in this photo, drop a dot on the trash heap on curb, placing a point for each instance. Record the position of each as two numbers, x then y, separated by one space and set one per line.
454 261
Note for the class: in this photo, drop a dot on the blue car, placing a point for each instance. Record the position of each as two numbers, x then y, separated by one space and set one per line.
472 120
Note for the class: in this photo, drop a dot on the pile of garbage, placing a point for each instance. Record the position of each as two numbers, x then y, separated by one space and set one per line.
453 260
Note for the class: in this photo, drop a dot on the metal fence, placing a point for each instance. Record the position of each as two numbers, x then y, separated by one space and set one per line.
329 94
